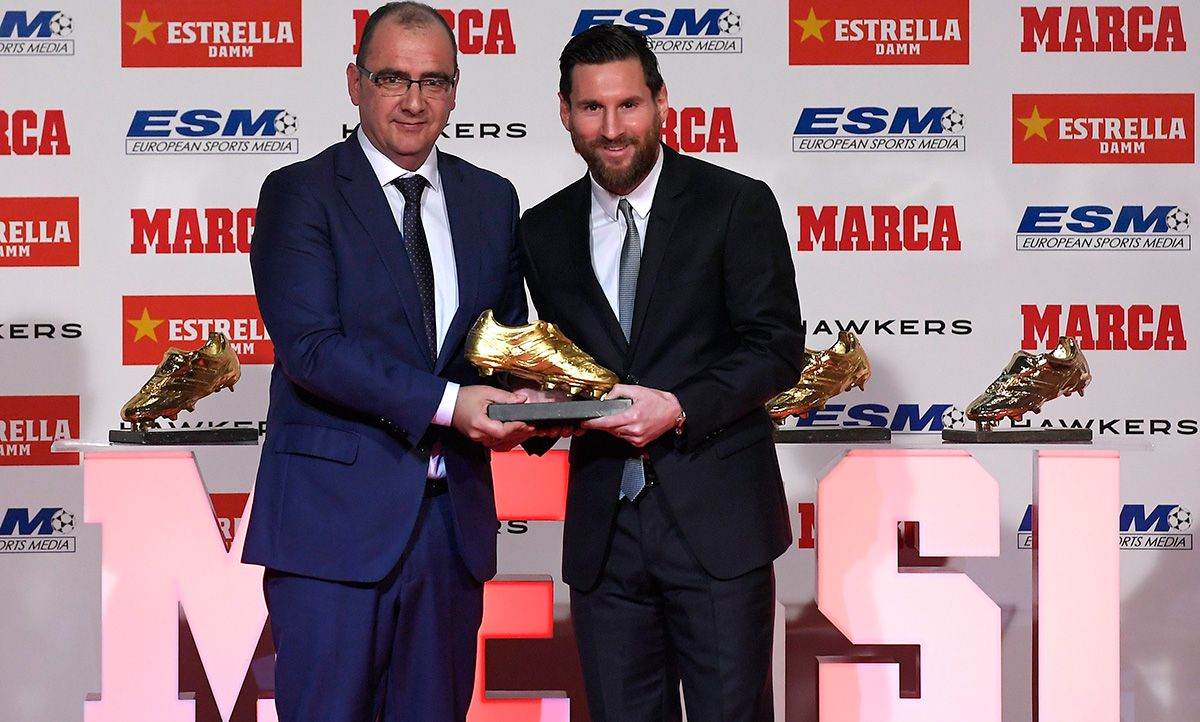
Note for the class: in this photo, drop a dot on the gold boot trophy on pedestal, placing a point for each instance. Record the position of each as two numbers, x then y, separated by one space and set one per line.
1024 386
181 379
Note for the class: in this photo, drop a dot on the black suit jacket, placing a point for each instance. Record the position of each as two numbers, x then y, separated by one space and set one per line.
716 322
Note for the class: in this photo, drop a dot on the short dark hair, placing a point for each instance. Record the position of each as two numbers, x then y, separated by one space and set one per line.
406 14
606 44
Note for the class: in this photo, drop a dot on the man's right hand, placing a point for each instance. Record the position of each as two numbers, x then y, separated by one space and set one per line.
471 419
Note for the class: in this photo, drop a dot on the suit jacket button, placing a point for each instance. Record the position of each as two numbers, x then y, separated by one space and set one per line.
631 379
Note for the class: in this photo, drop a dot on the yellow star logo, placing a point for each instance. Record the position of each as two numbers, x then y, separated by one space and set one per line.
144 30
812 26
145 326
1035 124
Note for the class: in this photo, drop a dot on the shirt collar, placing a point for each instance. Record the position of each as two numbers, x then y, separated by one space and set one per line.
641 198
386 171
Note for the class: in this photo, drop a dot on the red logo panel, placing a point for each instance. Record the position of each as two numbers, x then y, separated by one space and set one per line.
210 33
152 324
30 424
39 231
1104 128
879 32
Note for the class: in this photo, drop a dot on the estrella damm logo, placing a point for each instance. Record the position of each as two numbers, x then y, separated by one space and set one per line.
208 131
30 424
476 31
700 130
879 32
678 30
152 324
210 33
876 129
1103 28
32 132
1104 128
878 228
36 32
1104 326
1101 228
39 232
1165 527
191 230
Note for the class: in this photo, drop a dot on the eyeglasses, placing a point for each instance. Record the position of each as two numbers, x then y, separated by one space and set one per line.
391 84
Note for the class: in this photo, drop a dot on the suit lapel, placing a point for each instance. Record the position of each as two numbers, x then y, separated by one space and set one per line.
664 211
465 232
578 265
361 191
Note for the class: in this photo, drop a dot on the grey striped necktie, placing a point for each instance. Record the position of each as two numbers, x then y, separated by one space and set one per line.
633 475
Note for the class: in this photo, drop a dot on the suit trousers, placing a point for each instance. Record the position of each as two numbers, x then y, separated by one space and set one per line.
656 617
399 649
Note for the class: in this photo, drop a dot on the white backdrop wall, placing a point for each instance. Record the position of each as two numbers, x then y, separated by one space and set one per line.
943 200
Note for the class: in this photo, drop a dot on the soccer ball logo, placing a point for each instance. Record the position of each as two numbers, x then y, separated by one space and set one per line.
1180 519
285 123
953 121
729 23
953 418
63 522
61 25
1177 219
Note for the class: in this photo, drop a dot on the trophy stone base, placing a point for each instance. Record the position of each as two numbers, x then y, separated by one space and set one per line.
184 437
1018 436
842 435
557 412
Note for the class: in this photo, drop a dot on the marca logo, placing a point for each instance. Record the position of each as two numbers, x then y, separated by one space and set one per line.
208 131
696 130
33 531
477 32
192 230
892 327
228 510
878 228
1105 327
1104 128
1100 228
210 33
1161 527
40 32
26 331
681 30
878 129
905 417
869 32
28 132
39 232
1102 29
155 323
30 424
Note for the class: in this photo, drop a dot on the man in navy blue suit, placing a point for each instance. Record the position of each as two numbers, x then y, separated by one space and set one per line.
373 509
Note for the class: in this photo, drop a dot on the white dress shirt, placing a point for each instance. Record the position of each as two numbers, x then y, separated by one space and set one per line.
436 221
608 229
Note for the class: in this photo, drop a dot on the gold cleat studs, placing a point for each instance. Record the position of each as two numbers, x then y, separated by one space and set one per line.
182 379
538 352
827 373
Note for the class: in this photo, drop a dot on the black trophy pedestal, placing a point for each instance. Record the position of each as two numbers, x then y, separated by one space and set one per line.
1018 436
557 412
185 437
841 435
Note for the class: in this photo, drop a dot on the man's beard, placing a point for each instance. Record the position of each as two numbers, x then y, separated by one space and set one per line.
622 180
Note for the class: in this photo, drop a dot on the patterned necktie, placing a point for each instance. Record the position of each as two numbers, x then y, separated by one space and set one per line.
633 475
411 187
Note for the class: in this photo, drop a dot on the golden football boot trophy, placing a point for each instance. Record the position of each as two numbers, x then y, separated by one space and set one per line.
826 374
538 352
1029 381
182 379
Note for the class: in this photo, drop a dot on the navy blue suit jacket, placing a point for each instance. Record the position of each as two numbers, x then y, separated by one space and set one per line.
353 392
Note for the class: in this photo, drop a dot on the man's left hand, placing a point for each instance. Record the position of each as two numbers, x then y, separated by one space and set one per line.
653 413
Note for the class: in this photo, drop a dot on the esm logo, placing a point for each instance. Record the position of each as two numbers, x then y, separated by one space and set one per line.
477 32
28 132
1105 327
879 228
1102 29
48 529
905 417
682 30
875 129
696 130
208 131
192 230
1101 228
1161 527
45 32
